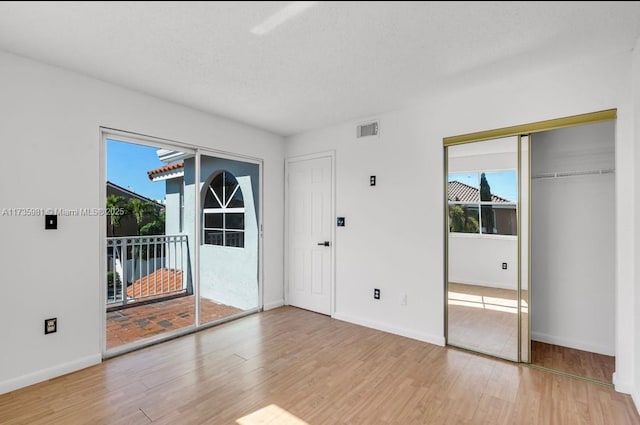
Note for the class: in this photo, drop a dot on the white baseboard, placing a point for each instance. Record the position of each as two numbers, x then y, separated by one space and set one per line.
431 339
620 386
52 372
273 304
572 343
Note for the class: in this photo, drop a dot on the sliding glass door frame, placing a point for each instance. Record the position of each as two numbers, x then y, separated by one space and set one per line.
200 152
197 152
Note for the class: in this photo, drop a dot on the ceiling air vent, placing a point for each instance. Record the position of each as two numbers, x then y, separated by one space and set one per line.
368 129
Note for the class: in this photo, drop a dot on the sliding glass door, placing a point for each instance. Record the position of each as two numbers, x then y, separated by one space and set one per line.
229 192
150 287
182 240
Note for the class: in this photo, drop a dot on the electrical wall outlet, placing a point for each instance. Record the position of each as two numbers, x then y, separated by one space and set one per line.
504 266
372 180
51 326
376 294
50 221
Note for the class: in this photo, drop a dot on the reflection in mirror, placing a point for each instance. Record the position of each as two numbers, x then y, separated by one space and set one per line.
525 181
482 192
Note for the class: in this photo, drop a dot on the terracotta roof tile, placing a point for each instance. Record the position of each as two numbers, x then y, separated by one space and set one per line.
160 282
164 169
461 192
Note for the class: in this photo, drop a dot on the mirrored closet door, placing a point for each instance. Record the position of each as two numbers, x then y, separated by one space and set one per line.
483 298
530 244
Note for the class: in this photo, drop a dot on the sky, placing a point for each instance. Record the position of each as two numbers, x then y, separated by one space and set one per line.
127 166
502 183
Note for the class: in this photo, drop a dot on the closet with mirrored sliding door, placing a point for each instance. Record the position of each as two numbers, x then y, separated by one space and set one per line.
529 244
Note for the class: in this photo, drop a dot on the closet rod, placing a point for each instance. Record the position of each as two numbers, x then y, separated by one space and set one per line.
573 173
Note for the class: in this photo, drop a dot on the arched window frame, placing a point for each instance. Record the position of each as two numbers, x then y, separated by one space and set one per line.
223 212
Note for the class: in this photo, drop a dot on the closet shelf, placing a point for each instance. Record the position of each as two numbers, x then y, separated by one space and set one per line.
573 173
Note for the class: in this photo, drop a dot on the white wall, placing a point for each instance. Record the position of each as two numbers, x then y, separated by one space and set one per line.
573 239
477 260
488 155
172 206
51 156
405 255
636 328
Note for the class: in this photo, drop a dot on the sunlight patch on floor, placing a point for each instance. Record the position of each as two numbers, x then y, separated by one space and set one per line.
487 303
271 414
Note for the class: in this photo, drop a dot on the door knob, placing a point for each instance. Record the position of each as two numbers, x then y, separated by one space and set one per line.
325 243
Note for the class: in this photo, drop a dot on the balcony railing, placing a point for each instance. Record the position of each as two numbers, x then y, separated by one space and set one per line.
141 268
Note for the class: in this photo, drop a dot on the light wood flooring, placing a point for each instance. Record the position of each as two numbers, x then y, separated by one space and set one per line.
291 366
576 362
483 319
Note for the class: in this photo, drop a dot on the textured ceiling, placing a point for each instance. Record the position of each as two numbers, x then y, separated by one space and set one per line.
334 62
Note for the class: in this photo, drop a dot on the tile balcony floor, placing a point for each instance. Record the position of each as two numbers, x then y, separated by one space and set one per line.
137 322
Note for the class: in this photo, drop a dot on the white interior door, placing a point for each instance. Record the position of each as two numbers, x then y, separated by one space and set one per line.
310 245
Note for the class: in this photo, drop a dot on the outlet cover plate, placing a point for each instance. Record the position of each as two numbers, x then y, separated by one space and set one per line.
51 326
50 221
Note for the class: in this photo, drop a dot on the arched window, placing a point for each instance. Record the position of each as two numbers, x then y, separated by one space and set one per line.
223 211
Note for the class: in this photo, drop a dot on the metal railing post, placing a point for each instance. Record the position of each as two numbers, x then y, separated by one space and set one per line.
125 275
138 249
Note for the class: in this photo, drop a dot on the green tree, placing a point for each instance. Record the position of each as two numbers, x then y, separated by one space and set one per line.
114 204
488 222
141 210
156 227
460 221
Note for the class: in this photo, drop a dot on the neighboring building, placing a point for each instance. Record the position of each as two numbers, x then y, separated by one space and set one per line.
503 210
128 225
228 193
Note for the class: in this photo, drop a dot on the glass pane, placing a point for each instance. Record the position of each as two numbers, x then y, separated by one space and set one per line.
230 184
229 256
213 220
149 279
213 237
463 187
499 186
499 219
237 201
234 239
463 218
217 184
234 220
210 200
